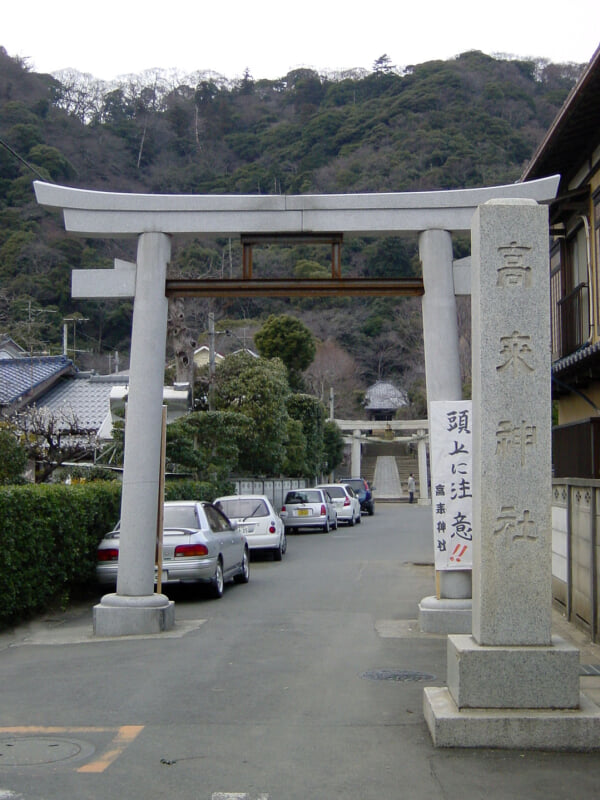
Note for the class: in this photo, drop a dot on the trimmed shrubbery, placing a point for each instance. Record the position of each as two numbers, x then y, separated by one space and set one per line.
48 539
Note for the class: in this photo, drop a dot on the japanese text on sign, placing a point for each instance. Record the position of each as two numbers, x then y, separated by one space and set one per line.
451 481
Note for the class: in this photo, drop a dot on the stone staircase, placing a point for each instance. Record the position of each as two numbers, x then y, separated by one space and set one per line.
368 464
405 463
387 482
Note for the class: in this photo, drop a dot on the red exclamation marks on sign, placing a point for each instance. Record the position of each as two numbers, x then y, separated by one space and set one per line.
458 552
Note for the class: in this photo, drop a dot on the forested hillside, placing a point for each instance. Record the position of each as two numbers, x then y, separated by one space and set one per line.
470 121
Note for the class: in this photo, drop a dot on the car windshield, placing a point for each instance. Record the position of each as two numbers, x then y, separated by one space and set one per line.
180 517
243 507
358 486
295 498
336 491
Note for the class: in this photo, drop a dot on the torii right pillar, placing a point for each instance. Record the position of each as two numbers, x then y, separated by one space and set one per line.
449 611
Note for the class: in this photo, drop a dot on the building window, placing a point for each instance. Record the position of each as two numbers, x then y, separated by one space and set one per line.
555 297
574 304
577 255
596 235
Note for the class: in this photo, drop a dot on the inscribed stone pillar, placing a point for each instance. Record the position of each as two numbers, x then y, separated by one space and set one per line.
511 683
511 424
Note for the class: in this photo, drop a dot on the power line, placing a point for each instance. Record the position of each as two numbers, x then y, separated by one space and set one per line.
23 161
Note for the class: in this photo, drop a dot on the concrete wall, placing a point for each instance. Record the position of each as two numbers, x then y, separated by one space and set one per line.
274 488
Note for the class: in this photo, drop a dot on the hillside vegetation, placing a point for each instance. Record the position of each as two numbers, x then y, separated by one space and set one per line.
470 121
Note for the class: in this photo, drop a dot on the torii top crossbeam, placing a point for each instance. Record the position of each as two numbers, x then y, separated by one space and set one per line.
113 214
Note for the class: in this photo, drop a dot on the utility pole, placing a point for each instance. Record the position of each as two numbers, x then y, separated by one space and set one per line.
74 320
211 360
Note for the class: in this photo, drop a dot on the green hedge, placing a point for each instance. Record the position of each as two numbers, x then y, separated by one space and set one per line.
48 539
49 534
197 490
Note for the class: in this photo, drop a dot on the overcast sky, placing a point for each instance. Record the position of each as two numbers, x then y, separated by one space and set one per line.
118 37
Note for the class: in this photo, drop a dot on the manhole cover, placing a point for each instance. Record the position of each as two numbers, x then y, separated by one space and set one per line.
397 675
31 751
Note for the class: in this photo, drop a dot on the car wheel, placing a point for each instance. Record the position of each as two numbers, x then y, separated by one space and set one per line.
284 544
335 525
243 575
217 583
326 527
278 552
359 519
351 520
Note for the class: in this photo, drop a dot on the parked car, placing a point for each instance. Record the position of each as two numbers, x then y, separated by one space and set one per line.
200 545
256 518
346 502
308 508
363 491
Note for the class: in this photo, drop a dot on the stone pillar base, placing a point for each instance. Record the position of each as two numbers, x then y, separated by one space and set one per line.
121 615
573 730
526 677
513 697
445 615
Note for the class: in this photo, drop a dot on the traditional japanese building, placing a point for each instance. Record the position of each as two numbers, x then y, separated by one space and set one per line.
383 399
571 148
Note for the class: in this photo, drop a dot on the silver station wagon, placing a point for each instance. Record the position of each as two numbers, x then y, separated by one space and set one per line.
308 508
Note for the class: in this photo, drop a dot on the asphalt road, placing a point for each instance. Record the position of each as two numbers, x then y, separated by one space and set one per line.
306 684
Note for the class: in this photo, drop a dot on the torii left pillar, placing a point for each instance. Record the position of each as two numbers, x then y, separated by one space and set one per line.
135 608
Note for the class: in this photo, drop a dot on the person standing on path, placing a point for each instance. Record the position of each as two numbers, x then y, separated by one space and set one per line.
411 488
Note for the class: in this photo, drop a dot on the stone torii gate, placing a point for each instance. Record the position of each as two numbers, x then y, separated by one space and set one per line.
152 219
417 430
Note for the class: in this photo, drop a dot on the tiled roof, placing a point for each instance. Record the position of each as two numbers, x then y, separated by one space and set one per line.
573 135
19 376
384 395
9 348
578 357
87 397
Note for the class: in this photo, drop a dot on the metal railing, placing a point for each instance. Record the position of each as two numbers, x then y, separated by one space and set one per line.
574 326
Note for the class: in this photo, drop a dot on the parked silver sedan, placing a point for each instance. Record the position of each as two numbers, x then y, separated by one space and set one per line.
256 518
200 545
308 508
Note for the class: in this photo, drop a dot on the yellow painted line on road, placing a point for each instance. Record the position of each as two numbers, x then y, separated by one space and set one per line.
123 736
27 729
